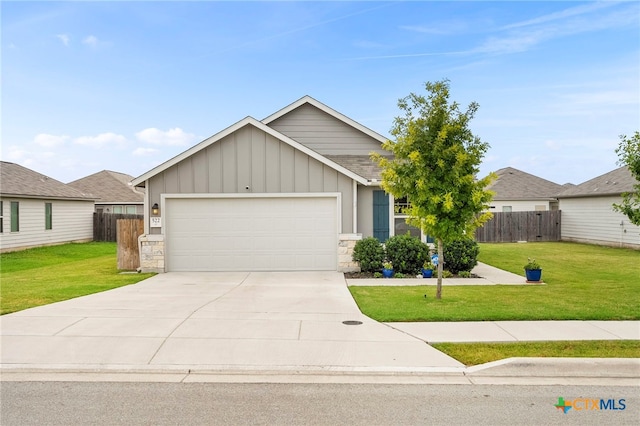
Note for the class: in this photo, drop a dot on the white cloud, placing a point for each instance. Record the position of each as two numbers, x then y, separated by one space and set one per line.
91 41
439 28
49 141
14 153
566 13
552 145
64 38
101 140
172 137
141 152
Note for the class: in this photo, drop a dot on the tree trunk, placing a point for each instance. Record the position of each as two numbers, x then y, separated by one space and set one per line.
440 269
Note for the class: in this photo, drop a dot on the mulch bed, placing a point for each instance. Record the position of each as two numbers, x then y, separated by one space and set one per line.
356 275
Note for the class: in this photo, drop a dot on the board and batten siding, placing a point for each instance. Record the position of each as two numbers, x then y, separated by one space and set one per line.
71 221
252 161
323 133
593 220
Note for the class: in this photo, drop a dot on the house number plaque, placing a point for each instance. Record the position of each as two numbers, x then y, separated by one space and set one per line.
156 222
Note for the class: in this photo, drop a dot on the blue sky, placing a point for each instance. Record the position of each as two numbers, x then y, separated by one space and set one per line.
125 86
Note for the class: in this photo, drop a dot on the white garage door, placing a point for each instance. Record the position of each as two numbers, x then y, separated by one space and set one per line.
251 234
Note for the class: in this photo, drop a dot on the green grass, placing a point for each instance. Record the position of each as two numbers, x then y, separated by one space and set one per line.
584 282
45 275
480 353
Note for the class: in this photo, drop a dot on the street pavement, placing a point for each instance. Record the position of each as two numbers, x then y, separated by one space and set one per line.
271 327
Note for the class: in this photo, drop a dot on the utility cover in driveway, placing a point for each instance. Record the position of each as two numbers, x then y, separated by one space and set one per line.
251 234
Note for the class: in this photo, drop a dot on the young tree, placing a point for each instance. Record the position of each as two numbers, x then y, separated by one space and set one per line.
629 155
436 160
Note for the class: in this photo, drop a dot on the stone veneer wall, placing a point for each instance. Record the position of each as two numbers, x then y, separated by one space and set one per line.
151 252
346 243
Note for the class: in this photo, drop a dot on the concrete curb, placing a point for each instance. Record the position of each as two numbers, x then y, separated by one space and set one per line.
514 371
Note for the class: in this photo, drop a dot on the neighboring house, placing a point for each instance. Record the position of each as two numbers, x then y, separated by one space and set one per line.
291 192
518 191
36 210
112 191
588 215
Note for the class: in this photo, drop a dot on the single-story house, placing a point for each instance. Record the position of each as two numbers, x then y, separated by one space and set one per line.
294 191
36 210
588 215
518 191
112 191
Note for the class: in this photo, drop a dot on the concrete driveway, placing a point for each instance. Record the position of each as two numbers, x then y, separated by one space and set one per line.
214 322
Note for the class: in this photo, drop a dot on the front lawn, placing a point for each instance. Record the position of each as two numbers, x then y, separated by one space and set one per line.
480 353
45 275
584 282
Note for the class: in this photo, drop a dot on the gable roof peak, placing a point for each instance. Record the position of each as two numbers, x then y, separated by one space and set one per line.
306 99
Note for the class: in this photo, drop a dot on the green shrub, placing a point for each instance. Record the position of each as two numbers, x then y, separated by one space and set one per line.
445 274
369 253
461 255
464 274
399 275
407 253
377 275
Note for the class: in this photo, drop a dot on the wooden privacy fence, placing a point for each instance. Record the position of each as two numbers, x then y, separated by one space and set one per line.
128 231
521 226
104 225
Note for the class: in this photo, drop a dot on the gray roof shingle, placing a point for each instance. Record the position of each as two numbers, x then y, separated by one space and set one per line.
18 181
108 187
361 165
514 184
613 183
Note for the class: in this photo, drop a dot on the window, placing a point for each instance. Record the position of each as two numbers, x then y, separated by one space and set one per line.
1 217
48 216
401 227
117 209
15 216
130 209
506 209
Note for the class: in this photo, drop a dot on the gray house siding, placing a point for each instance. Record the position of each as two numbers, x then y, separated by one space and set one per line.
593 220
323 133
71 221
365 210
251 158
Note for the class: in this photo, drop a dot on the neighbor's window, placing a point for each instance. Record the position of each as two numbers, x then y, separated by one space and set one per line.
506 209
15 216
130 209
48 216
1 217
117 209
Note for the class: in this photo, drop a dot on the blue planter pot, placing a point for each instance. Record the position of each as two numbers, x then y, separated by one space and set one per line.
427 273
533 274
387 273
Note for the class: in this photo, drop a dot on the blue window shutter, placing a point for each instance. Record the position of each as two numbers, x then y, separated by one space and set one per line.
380 215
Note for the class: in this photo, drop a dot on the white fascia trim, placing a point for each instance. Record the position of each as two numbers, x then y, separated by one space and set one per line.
308 99
336 195
240 124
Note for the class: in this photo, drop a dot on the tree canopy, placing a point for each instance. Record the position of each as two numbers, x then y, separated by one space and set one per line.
629 155
435 163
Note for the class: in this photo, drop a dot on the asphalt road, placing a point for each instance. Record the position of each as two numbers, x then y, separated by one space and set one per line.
82 403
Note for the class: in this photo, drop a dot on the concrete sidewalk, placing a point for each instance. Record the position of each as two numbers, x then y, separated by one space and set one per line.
519 331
